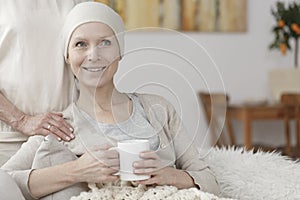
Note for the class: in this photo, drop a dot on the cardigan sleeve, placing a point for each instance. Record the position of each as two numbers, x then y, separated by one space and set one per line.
19 165
187 156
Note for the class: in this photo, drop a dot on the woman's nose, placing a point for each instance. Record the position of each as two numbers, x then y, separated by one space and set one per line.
94 55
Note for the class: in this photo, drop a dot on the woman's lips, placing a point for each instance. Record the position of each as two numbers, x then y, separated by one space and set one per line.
94 69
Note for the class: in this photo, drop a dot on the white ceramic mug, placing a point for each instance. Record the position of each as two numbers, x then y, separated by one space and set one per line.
129 151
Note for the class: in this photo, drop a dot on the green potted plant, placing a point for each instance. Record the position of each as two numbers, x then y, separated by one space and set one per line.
287 27
286 33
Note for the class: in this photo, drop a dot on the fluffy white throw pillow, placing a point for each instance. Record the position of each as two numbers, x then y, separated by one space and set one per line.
246 175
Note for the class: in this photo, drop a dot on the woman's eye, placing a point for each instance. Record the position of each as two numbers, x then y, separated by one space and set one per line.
80 44
105 43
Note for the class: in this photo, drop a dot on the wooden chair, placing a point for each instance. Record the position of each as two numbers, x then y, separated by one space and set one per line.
212 103
291 103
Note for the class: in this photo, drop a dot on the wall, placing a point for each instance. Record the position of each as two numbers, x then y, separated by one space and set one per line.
175 66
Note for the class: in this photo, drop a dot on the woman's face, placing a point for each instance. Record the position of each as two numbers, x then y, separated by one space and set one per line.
93 54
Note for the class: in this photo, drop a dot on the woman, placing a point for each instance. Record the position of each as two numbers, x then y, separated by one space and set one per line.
94 44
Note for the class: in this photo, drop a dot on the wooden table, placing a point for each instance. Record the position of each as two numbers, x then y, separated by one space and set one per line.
248 113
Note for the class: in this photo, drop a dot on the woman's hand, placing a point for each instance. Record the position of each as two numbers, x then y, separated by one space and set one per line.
97 166
45 124
160 173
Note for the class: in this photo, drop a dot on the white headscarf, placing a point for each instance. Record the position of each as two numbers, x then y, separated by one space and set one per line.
93 12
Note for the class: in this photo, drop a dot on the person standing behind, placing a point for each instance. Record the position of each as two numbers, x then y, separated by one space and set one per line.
33 88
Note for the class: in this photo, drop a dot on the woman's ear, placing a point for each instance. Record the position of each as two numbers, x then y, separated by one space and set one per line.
67 60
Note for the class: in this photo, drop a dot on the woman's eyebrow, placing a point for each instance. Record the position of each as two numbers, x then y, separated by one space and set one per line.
84 38
79 38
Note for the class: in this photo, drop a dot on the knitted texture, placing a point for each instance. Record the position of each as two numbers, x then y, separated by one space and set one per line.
127 191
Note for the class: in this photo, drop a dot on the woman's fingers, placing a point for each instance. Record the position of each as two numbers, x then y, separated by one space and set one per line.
149 164
110 162
150 181
59 127
108 170
58 133
58 117
146 171
165 176
106 156
104 151
146 164
99 165
149 155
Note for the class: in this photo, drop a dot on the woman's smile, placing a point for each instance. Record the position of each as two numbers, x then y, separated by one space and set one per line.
94 69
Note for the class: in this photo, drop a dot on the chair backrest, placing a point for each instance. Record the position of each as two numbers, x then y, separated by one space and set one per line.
291 102
215 105
290 99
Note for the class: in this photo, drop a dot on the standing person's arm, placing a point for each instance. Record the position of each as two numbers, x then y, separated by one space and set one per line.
9 113
42 124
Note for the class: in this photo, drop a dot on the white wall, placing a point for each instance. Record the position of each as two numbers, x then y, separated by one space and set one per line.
243 61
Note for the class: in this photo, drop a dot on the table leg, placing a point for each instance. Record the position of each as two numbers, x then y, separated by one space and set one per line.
247 130
297 122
